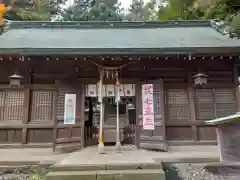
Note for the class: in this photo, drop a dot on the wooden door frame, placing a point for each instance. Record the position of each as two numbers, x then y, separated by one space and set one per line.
138 116
137 111
80 97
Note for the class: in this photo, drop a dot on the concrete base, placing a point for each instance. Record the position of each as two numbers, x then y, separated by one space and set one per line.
139 174
101 148
118 146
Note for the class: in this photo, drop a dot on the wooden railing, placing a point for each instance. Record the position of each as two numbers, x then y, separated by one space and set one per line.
91 135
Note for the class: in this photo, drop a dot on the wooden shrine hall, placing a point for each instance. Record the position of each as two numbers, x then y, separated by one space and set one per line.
69 85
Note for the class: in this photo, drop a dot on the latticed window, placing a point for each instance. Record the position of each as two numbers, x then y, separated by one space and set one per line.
177 106
11 105
60 102
214 103
42 105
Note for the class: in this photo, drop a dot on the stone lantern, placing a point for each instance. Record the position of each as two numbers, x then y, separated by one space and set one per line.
200 80
15 80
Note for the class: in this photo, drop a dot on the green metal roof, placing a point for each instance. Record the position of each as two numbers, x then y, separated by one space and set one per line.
225 120
150 37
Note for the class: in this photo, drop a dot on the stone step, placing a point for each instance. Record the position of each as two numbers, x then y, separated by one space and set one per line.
19 163
111 166
139 174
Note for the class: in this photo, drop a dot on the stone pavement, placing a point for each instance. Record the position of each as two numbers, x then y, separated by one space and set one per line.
30 156
129 164
130 154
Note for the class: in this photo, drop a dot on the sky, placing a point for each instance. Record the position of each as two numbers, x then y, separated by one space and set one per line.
125 3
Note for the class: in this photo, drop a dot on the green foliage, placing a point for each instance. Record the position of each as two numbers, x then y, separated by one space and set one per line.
178 10
99 10
139 11
235 24
34 10
37 173
226 10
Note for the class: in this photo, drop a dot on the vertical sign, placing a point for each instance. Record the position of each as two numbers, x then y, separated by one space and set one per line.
148 106
70 109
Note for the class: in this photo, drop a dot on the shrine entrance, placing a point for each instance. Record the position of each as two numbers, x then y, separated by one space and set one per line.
127 114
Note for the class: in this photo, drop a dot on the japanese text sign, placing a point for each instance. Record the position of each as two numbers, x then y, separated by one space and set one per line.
148 106
70 109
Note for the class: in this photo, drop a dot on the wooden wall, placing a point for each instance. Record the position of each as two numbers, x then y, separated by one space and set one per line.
26 114
188 108
34 114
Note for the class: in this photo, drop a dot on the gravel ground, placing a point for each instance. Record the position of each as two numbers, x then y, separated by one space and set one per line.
24 173
186 171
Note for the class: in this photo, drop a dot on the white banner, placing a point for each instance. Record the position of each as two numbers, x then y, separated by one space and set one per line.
148 106
92 90
70 109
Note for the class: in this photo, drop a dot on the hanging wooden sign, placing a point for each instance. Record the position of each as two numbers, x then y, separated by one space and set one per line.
92 90
148 106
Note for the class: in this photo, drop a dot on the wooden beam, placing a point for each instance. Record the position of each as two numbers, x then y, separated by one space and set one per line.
29 86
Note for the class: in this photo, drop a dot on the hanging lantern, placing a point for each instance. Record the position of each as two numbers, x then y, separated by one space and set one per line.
239 81
130 106
200 80
15 80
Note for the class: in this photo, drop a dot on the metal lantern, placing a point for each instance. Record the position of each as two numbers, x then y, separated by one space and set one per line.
130 106
239 81
15 80
200 79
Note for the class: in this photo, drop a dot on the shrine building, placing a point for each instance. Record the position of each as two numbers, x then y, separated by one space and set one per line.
172 75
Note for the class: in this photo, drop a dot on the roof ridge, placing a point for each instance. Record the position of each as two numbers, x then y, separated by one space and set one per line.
107 24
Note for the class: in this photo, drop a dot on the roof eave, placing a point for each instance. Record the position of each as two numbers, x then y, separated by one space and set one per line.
224 120
121 51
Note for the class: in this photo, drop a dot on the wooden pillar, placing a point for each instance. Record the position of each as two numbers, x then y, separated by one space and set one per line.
237 83
26 113
138 113
238 97
26 105
235 79
82 111
192 115
54 119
